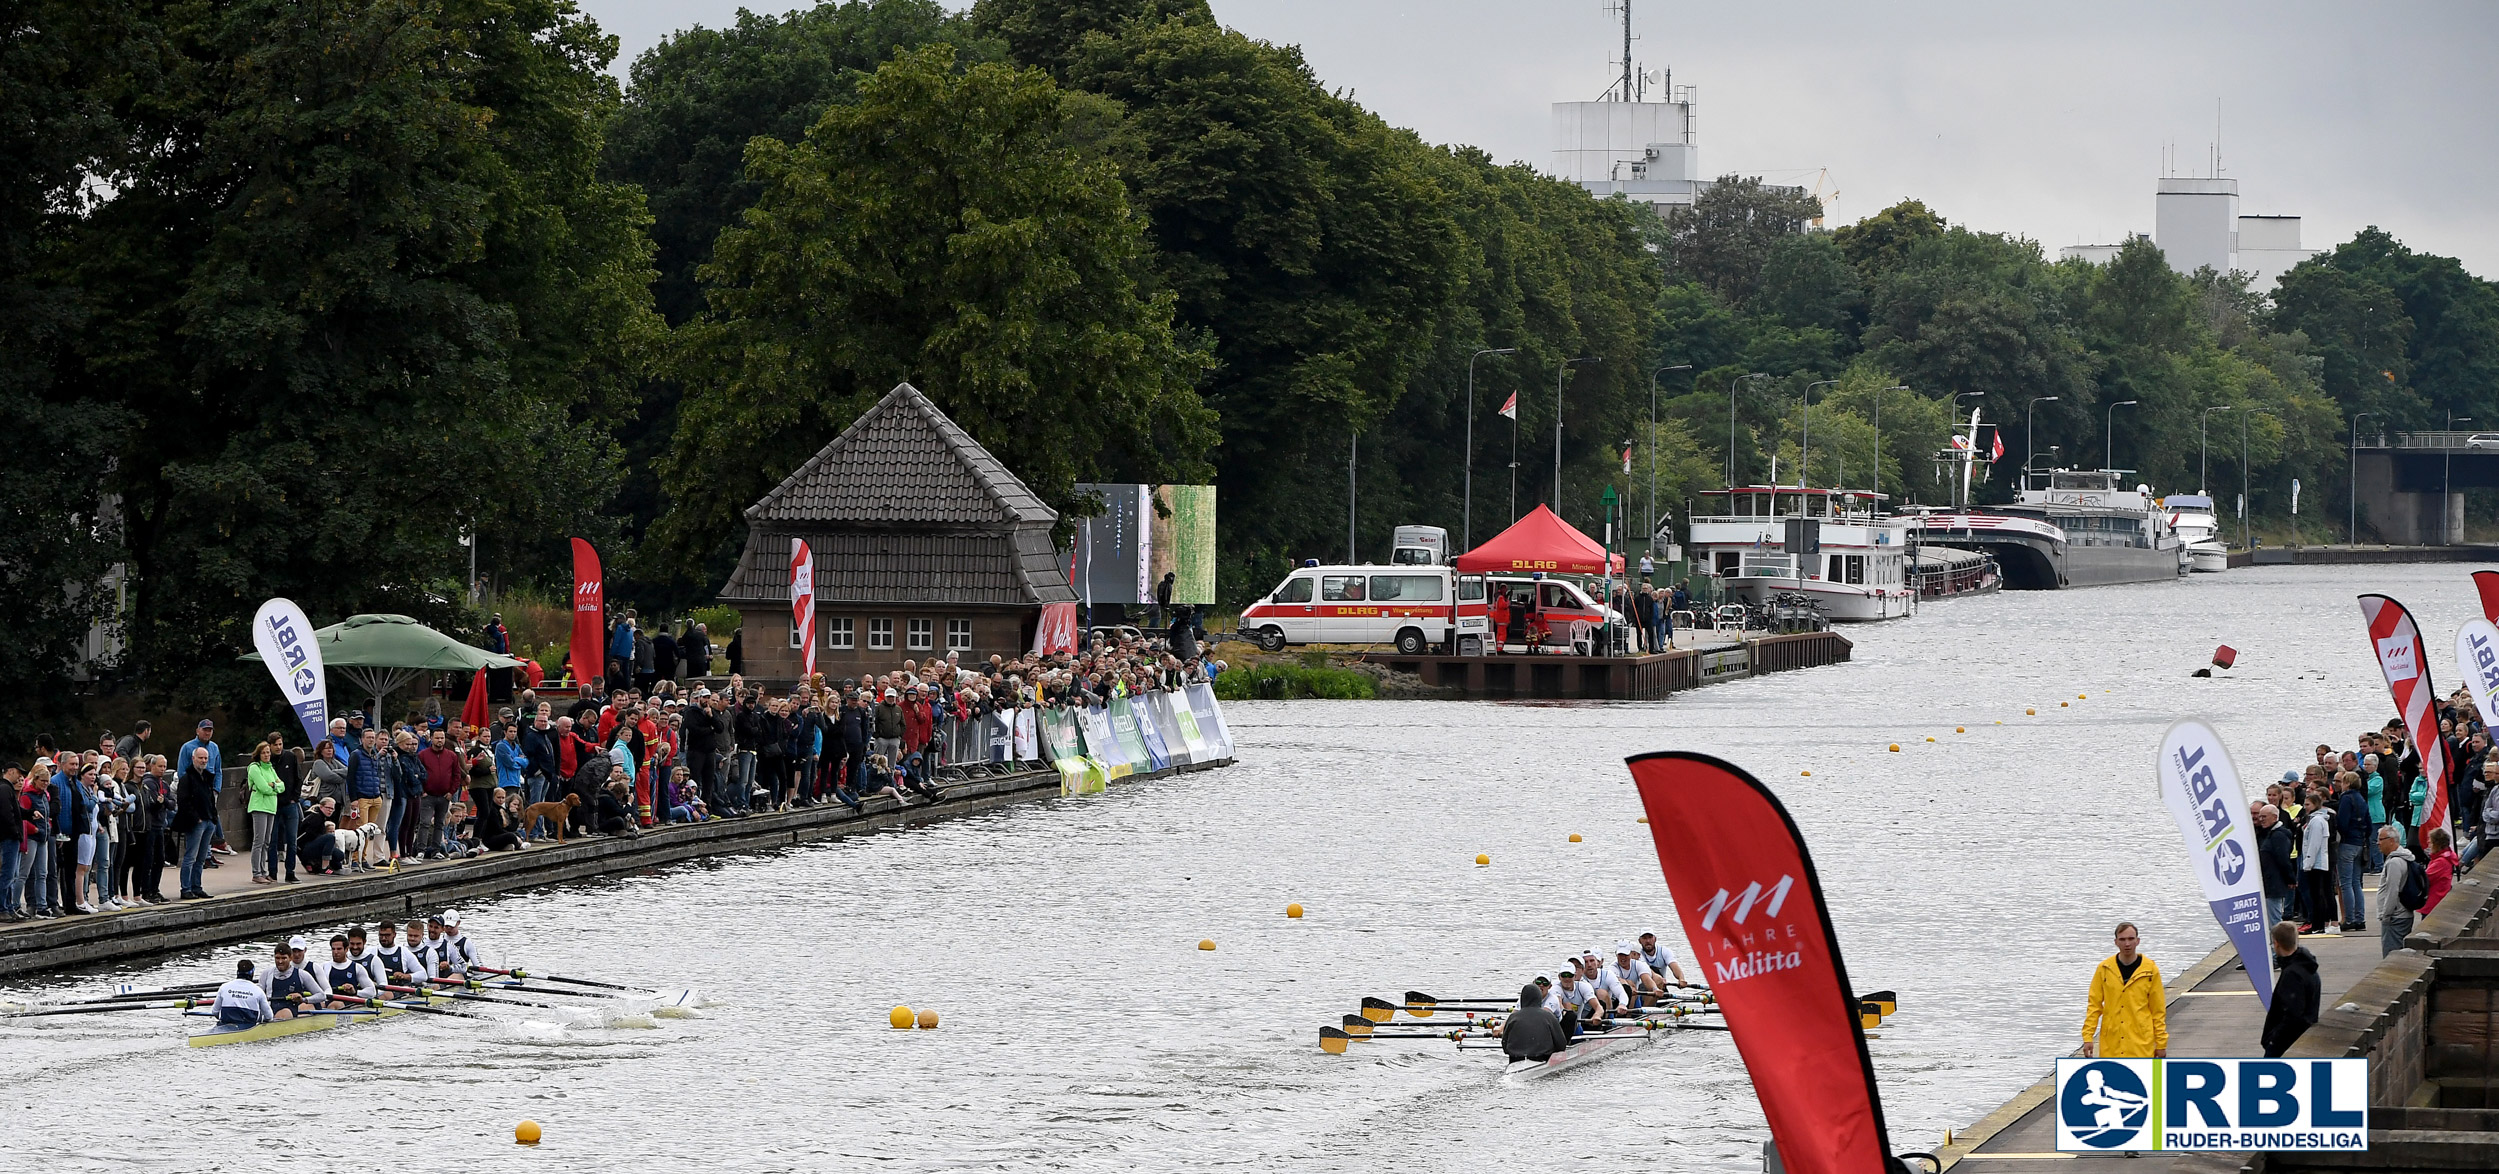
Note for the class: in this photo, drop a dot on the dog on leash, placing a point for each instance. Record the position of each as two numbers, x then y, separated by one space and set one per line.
555 811
364 847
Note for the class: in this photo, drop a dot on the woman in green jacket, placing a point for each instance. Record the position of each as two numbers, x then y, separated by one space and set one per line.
262 775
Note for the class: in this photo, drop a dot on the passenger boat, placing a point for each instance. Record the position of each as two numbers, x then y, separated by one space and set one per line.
1588 1050
1838 548
2068 528
303 1022
2191 515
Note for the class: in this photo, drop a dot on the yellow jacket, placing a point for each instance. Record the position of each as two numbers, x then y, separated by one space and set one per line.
2130 1018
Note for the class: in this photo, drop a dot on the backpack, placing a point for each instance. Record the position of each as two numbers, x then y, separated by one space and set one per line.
2416 890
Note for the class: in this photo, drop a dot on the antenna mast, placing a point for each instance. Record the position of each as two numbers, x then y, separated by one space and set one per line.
1628 88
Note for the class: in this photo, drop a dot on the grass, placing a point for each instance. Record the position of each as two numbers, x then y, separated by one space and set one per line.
1272 682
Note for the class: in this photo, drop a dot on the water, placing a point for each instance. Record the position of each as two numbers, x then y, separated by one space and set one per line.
1084 1030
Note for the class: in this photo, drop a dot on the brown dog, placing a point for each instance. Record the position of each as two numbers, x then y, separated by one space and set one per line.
554 811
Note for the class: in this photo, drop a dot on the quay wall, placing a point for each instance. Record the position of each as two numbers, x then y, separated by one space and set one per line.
1620 678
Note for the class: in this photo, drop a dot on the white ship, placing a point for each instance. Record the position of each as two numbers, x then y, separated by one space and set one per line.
1855 565
2191 515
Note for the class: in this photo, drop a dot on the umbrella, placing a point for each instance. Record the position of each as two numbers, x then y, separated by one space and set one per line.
381 653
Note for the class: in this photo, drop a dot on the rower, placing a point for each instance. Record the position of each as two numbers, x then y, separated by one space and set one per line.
360 951
1634 975
1531 1032
398 964
1660 959
1610 994
426 939
1579 1002
286 984
340 976
457 949
240 1003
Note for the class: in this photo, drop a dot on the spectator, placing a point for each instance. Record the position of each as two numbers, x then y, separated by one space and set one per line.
315 844
262 777
737 654
2296 993
2394 921
2441 869
195 820
444 773
290 767
2278 853
2317 862
2353 835
407 795
13 836
2127 1014
133 743
664 653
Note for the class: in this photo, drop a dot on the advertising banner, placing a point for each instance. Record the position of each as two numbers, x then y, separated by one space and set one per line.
2224 1105
1078 775
1102 745
1166 727
1156 752
2486 585
1186 718
1752 909
1123 716
1115 548
589 653
803 606
2200 787
1210 725
2406 665
2477 660
1184 542
1027 735
284 639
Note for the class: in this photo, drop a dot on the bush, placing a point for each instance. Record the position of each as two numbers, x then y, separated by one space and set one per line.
1293 682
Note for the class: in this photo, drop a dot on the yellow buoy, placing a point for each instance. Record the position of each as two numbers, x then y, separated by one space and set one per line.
2031 712
1294 910
526 1133
2063 704
1483 858
1645 819
901 1017
928 1019
1802 773
1574 837
2082 696
1206 943
1960 729
1895 747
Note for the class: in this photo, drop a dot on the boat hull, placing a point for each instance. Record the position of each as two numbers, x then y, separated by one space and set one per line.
2208 558
1840 602
2034 558
1587 1050
307 1022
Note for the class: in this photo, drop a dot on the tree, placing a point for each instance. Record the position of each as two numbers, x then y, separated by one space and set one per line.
1050 34
1806 283
941 230
1723 239
1882 242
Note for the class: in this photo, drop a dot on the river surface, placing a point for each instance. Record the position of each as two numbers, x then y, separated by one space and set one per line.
1084 1030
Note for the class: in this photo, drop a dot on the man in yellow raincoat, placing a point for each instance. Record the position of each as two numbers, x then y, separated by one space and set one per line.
2128 1016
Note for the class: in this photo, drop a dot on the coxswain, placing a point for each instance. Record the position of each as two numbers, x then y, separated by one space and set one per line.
339 976
1578 1000
240 1002
287 985
1634 975
1660 959
399 964
458 952
1531 1032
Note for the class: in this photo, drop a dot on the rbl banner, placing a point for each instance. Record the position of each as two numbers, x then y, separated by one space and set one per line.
284 639
589 615
2200 786
1753 912
2225 1105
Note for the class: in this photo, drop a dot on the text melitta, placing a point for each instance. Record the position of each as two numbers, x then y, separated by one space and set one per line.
1759 962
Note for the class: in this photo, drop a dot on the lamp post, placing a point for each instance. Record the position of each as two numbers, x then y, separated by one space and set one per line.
2108 434
2352 536
1353 459
1652 443
2203 447
2028 434
1561 375
1731 385
1467 528
2245 504
1805 449
2446 465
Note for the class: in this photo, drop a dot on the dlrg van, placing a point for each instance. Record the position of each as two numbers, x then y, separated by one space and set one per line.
1420 608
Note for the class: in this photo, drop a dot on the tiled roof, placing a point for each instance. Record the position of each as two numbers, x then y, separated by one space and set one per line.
902 463
1016 569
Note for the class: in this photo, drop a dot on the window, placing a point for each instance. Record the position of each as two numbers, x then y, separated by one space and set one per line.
840 633
795 641
959 634
1340 589
1405 588
922 634
880 634
1294 591
1471 590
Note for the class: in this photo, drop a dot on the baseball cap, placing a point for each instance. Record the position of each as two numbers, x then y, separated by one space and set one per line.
451 920
1622 947
298 943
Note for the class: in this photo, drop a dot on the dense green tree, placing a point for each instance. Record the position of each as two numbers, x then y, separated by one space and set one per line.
1881 242
939 229
1723 239
1807 283
1050 34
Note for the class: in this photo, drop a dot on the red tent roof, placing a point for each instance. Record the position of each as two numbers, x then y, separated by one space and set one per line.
1541 541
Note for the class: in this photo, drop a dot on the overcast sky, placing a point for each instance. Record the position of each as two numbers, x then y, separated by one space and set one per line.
2009 118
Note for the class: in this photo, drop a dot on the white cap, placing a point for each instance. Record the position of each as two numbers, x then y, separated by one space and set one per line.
298 943
451 919
1623 948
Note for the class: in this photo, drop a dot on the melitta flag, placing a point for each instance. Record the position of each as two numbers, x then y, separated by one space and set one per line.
2477 660
1995 452
283 637
2406 665
589 615
2486 584
1509 407
1626 458
803 606
1752 910
1057 630
2200 786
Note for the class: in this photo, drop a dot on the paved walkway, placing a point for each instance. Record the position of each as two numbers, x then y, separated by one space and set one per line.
2212 1012
233 875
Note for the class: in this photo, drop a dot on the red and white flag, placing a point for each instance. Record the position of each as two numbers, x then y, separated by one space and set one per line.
1509 407
1997 452
1626 458
803 605
2406 666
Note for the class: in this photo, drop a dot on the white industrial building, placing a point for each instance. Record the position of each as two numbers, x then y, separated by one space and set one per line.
1641 150
2196 222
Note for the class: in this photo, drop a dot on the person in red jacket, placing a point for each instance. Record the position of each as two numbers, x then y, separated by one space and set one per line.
2441 870
445 772
919 722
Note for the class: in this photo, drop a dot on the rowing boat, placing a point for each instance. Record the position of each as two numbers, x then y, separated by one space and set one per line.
1587 1050
303 1021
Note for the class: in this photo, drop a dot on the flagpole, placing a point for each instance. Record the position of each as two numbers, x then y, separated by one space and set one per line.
1514 468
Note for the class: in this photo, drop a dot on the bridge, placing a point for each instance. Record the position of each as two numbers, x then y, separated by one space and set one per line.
2411 484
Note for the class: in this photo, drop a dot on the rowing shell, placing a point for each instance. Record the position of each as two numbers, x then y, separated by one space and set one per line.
303 1022
1588 1050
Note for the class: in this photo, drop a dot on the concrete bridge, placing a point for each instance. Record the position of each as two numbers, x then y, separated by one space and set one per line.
2412 484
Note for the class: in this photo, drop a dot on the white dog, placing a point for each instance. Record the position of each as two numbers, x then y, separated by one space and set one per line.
363 848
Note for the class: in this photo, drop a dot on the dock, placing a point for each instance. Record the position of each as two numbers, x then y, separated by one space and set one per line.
1649 677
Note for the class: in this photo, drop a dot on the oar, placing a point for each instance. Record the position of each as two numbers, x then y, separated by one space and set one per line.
1886 1002
159 993
1505 1001
1333 1041
407 1006
516 972
97 1009
409 990
496 985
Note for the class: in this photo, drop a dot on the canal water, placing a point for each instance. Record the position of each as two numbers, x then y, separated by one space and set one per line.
1083 1029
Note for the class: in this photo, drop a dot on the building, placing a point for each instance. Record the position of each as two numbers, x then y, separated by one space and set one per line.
2196 222
1641 150
924 544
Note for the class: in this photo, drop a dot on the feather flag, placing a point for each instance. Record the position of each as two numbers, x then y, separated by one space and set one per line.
1509 407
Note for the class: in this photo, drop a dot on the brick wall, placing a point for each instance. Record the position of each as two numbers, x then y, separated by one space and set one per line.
771 660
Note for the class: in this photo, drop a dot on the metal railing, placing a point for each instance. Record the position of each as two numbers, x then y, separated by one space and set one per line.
2435 441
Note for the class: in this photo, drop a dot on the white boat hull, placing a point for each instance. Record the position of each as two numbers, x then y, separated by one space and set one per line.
1841 602
2208 558
1588 1050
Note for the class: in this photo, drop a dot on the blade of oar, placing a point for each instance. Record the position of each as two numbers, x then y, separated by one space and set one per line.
1379 1010
1503 1001
1356 1025
1333 1041
516 972
409 990
1888 1002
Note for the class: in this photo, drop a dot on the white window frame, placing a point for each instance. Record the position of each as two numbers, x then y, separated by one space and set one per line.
881 634
795 642
840 632
958 635
919 635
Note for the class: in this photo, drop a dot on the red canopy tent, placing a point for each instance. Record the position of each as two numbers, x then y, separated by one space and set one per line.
1541 541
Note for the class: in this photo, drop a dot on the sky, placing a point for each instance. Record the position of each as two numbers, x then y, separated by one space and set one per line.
2049 123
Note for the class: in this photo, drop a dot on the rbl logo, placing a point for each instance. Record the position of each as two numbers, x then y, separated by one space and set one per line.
2228 1105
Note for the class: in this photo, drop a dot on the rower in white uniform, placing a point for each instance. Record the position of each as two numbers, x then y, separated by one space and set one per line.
457 949
1609 992
397 964
1634 975
1660 959
339 976
361 952
287 985
240 1002
1578 1000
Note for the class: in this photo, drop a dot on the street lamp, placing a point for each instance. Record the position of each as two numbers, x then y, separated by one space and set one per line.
1653 443
1559 374
2244 502
2027 433
2203 458
2447 464
1805 451
2108 435
2352 536
1468 527
1731 385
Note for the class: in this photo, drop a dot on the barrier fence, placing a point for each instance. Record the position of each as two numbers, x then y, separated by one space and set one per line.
1134 735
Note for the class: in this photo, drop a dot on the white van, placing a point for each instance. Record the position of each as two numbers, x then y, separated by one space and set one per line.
1417 607
1419 546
